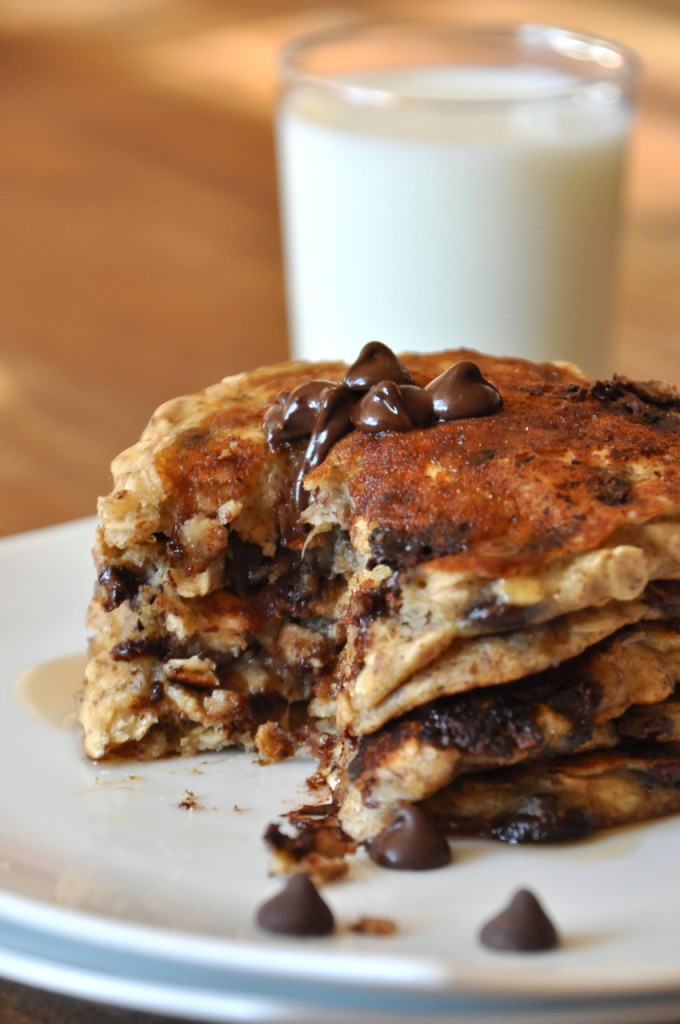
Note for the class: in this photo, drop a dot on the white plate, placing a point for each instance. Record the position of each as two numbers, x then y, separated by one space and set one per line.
102 854
204 994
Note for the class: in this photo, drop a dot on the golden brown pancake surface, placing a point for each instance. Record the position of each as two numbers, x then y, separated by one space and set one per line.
559 468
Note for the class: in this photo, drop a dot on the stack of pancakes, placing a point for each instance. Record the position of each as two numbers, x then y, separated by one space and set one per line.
480 613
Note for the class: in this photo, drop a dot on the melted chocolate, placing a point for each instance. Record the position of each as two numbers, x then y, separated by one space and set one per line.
543 818
382 408
411 842
294 413
501 618
375 363
333 421
142 647
522 927
296 910
120 584
462 391
377 393
641 402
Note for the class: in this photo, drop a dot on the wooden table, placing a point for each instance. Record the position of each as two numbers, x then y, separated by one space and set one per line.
139 239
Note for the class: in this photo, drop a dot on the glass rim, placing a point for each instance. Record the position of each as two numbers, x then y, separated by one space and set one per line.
621 67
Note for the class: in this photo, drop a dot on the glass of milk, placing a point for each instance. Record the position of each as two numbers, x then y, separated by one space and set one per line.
445 186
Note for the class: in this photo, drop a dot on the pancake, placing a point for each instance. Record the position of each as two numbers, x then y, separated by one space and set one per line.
633 777
565 798
587 702
311 558
503 657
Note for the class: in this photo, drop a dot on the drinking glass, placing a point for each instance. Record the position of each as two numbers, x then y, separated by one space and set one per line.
446 186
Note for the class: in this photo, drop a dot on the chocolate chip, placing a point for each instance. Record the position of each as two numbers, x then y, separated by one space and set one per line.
523 927
120 584
390 406
411 842
294 413
542 818
462 391
246 565
477 724
375 363
141 647
382 408
403 548
157 693
324 412
296 910
501 617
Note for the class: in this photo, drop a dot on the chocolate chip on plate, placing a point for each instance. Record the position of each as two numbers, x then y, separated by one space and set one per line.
411 842
296 910
522 927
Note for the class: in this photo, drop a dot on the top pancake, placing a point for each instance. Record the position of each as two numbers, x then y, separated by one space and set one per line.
559 469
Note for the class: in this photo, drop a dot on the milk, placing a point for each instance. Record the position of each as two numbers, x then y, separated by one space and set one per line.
480 222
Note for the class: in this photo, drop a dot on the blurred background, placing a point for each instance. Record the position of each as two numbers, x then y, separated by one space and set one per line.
139 234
